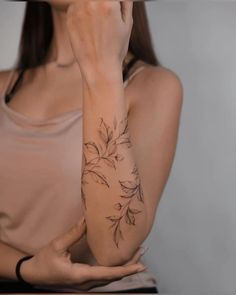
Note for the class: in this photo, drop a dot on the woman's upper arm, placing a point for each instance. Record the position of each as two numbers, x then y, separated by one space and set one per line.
154 119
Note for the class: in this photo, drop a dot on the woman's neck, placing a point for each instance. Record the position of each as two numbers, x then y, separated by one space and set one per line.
60 50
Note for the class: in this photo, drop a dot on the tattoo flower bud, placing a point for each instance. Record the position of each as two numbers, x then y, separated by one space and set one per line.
118 206
119 157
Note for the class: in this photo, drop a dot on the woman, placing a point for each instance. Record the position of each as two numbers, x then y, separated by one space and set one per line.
84 157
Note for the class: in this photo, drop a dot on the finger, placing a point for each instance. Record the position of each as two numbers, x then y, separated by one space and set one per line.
137 255
127 11
63 242
91 284
111 273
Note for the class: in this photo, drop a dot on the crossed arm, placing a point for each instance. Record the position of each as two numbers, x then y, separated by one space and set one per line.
127 157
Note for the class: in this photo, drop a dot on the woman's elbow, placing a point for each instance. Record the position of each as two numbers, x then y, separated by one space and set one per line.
110 256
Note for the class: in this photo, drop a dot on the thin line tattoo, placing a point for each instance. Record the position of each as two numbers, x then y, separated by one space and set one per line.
132 190
107 152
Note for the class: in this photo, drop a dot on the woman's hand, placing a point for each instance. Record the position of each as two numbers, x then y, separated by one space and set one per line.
52 265
99 32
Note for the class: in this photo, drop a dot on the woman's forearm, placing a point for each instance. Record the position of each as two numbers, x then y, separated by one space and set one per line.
113 198
8 260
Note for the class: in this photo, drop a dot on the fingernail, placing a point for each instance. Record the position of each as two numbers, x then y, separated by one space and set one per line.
143 250
81 222
142 268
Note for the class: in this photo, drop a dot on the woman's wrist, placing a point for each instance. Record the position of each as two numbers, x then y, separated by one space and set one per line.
110 72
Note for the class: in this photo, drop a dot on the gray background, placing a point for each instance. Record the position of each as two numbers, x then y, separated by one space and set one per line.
193 243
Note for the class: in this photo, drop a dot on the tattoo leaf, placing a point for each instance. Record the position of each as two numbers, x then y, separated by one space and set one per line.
113 218
140 193
83 197
118 206
101 148
85 159
129 187
124 126
134 211
124 139
115 123
105 132
129 218
112 148
109 162
99 177
135 172
92 148
103 136
119 157
118 234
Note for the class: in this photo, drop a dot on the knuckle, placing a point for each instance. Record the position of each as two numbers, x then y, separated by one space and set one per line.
91 5
107 7
71 278
70 10
74 231
84 276
69 22
127 270
124 273
73 13
55 245
77 15
108 277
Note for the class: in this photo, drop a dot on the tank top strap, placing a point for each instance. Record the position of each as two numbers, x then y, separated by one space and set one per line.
139 69
128 67
133 74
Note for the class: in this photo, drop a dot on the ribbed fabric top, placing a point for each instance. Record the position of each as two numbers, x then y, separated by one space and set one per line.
40 185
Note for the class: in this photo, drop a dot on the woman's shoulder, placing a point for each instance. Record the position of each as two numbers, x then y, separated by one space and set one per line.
156 83
159 76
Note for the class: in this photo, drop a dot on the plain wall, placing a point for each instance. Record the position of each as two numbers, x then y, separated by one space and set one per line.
193 243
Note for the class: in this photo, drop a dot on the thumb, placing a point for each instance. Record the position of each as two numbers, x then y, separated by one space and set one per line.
66 240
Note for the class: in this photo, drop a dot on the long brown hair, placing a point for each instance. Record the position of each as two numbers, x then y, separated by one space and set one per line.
37 33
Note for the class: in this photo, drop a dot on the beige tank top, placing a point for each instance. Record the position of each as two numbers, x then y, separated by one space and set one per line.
40 172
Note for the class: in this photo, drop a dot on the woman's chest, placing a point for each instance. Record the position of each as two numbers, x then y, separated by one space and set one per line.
40 181
54 98
32 156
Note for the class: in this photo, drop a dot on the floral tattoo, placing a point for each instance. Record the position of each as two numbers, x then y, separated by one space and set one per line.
107 152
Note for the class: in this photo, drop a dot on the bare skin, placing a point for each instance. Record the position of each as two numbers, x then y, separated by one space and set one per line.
52 264
153 100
